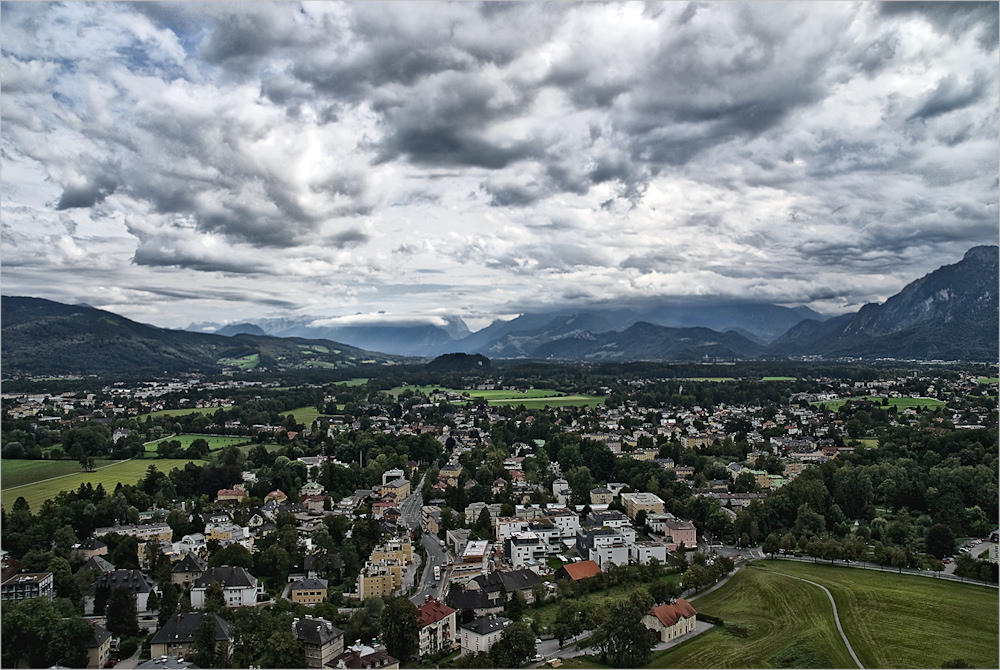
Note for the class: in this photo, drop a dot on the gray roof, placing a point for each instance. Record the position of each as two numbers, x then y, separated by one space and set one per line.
98 563
310 584
486 624
516 580
190 563
136 580
100 635
180 628
226 575
315 631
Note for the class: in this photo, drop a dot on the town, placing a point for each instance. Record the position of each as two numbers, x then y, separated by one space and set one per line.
510 517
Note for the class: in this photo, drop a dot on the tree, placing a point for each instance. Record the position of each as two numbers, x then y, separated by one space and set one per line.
169 602
939 541
87 462
624 640
215 598
515 606
516 645
771 544
283 651
399 624
122 616
206 653
36 633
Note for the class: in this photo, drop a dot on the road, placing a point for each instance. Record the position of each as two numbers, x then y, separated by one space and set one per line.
422 572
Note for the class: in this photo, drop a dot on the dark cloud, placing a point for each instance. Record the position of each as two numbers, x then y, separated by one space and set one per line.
950 95
954 18
88 192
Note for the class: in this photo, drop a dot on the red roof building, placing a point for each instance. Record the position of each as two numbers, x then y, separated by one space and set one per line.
578 571
671 620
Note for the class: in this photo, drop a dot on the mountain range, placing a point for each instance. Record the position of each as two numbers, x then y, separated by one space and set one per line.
949 314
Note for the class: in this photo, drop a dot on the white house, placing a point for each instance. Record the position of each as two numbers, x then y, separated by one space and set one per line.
239 587
481 634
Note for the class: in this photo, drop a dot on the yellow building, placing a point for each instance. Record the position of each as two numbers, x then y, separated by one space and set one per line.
399 550
308 591
642 501
379 580
401 487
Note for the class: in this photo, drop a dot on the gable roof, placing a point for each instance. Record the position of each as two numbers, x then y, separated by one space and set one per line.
98 563
100 635
227 576
487 624
473 600
581 570
180 628
190 563
433 610
670 613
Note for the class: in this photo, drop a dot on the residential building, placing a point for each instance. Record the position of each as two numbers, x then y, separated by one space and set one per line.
481 634
145 532
176 637
139 583
577 571
362 657
188 570
90 547
239 587
642 500
98 564
308 591
28 585
601 496
99 648
321 640
671 620
494 584
438 627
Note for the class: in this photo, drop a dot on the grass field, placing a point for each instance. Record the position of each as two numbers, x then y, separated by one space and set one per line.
179 412
898 403
215 442
778 379
546 614
710 379
891 620
20 473
870 442
886 616
304 415
988 380
357 381
530 398
126 472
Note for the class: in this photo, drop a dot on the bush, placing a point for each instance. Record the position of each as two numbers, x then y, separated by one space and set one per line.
127 647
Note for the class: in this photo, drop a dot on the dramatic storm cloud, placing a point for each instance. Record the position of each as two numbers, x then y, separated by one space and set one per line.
409 161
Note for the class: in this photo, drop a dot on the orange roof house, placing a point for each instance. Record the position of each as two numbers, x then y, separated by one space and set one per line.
578 571
276 495
671 620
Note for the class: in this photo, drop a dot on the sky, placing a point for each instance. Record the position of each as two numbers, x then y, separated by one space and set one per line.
406 161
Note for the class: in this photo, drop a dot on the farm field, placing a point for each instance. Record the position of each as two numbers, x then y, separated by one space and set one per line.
898 403
778 379
215 442
126 472
772 620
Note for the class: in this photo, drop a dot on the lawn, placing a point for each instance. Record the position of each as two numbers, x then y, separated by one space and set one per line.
898 403
988 380
357 381
530 398
304 415
20 473
179 412
126 472
892 621
905 621
778 379
215 442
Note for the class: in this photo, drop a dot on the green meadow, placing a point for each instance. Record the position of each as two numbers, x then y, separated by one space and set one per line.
126 472
530 398
892 621
898 403
215 442
179 412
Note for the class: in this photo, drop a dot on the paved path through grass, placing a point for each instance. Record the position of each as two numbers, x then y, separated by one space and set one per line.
836 618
